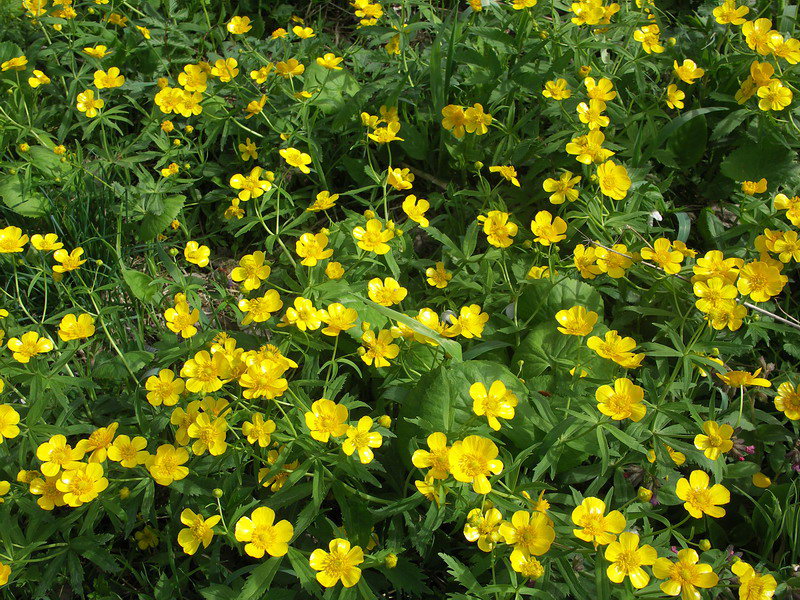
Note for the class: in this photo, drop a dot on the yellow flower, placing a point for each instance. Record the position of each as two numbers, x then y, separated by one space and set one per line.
548 230
326 419
262 534
28 345
527 566
627 558
303 315
258 430
675 96
728 13
496 402
472 460
623 401
198 531
197 254
774 96
436 458
39 78
476 121
98 52
399 179
118 19
311 248
499 230
225 69
471 321
128 452
166 465
56 454
585 261
290 68
339 564
788 247
592 114
384 135
648 37
438 277
714 264
529 533
252 186
756 35
88 104
279 33
378 348
295 158
146 538
685 575
338 318
9 419
204 372
596 526
688 71
70 261
303 32
787 401
251 271
613 262
324 201
164 389
507 172
557 90
239 25
415 209
181 319
255 107
715 441
616 348
743 378
663 256
14 64
263 380
373 238
588 148
248 150
330 61
110 79
701 499
50 495
81 483
576 321
454 120
753 586
613 179
563 188
602 89
760 280
98 442
362 439
484 528
210 435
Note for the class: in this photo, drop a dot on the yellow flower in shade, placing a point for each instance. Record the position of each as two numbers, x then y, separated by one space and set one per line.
69 261
497 402
663 256
252 186
9 420
556 90
454 120
685 575
744 379
476 121
181 319
239 25
527 566
255 107
225 69
623 401
128 452
483 527
438 277
330 61
46 242
109 79
791 206
688 71
594 525
471 321
648 36
616 348
49 495
15 64
399 179
788 247
290 68
5 572
144 31
303 315
88 104
164 388
198 530
787 401
522 4
303 32
311 248
592 114
499 230
96 51
28 345
563 188
209 434
585 260
166 465
714 264
576 321
324 201
384 135
715 440
728 13
118 20
326 419
713 294
56 454
373 238
339 564
362 439
38 78
507 172
98 443
675 96
760 480
258 431
146 538
774 96
295 158
613 261
337 318
614 180
378 348
262 534
248 150
415 210
436 458
547 229
529 533
699 498
602 89
753 586
81 483
757 34
473 460
627 558
260 75
251 271
197 254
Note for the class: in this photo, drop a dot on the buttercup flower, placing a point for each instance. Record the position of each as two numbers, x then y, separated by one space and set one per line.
594 525
699 498
715 440
627 558
483 527
199 530
576 321
473 460
623 401
497 402
529 533
262 534
339 564
362 439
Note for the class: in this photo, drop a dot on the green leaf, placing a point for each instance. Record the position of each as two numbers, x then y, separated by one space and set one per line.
258 582
764 159
141 284
460 572
153 224
25 202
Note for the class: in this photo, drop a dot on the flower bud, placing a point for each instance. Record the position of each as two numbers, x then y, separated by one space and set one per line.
173 251
218 493
124 493
385 421
761 481
478 165
390 561
644 494
704 545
